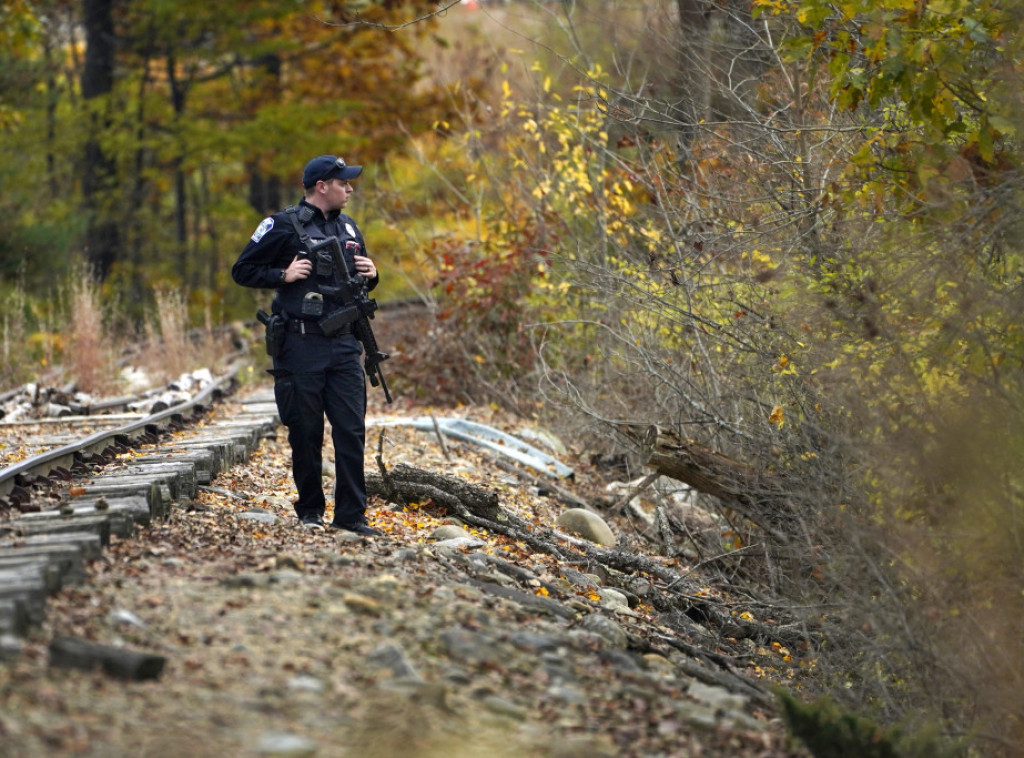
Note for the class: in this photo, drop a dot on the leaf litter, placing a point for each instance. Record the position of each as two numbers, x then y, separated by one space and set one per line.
282 641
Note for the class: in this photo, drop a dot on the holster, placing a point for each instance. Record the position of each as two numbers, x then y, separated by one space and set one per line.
275 326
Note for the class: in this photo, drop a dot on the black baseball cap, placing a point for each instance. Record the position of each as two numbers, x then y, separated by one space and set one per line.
325 167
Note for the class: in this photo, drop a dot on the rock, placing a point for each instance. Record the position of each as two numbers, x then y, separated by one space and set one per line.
289 561
458 543
640 586
136 379
385 585
718 698
469 647
566 694
184 383
581 580
659 664
305 683
362 604
623 660
120 616
607 629
246 580
544 437
582 746
449 532
532 642
406 554
558 667
504 707
433 694
393 658
696 715
262 517
613 600
587 525
284 745
286 576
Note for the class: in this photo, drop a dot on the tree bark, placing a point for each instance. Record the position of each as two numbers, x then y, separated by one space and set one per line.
405 484
114 661
266 191
753 492
99 172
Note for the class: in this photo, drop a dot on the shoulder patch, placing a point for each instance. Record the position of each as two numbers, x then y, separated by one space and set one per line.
265 226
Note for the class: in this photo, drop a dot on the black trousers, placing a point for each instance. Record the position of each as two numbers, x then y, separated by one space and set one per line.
316 375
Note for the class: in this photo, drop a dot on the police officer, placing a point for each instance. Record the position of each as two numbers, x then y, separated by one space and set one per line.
315 374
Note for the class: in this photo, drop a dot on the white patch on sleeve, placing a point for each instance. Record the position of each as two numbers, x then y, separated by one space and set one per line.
265 226
350 229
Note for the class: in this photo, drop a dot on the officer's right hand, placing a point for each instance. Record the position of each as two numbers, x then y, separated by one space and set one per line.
298 269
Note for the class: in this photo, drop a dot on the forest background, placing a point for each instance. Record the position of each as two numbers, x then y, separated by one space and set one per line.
786 231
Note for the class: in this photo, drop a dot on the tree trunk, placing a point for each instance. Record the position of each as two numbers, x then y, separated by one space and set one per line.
692 104
758 495
265 190
179 92
719 62
99 172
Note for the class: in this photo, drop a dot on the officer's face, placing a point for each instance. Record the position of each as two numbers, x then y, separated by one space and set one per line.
337 192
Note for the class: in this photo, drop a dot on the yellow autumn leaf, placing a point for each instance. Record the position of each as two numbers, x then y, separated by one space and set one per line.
777 417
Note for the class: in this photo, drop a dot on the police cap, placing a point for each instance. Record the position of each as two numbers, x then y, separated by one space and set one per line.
325 167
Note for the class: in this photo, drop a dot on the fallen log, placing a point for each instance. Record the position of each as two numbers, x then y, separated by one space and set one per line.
405 484
479 506
69 652
751 491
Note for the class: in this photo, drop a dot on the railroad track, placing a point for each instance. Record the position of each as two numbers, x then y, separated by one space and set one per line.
108 476
72 475
34 449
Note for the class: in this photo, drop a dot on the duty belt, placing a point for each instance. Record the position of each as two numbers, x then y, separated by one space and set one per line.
306 326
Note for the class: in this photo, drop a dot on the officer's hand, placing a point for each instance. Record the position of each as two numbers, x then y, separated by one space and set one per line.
365 267
298 269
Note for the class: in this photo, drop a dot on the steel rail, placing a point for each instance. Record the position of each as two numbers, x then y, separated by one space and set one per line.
64 457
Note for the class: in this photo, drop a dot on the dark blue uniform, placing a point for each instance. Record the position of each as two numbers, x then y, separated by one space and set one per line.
314 374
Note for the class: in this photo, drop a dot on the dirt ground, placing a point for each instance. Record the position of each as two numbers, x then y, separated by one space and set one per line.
280 641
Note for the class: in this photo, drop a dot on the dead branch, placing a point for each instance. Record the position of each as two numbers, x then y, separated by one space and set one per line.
752 492
479 506
543 485
406 484
620 505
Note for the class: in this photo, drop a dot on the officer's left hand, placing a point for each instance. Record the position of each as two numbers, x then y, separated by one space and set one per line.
365 267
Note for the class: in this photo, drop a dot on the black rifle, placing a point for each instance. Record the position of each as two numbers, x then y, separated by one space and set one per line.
358 310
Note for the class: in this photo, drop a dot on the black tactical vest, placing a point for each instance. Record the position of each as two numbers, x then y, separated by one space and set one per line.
306 298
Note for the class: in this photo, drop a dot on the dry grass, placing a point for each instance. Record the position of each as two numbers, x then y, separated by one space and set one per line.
82 339
89 352
12 339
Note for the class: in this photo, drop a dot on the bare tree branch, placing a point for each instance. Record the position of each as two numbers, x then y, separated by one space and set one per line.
389 27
